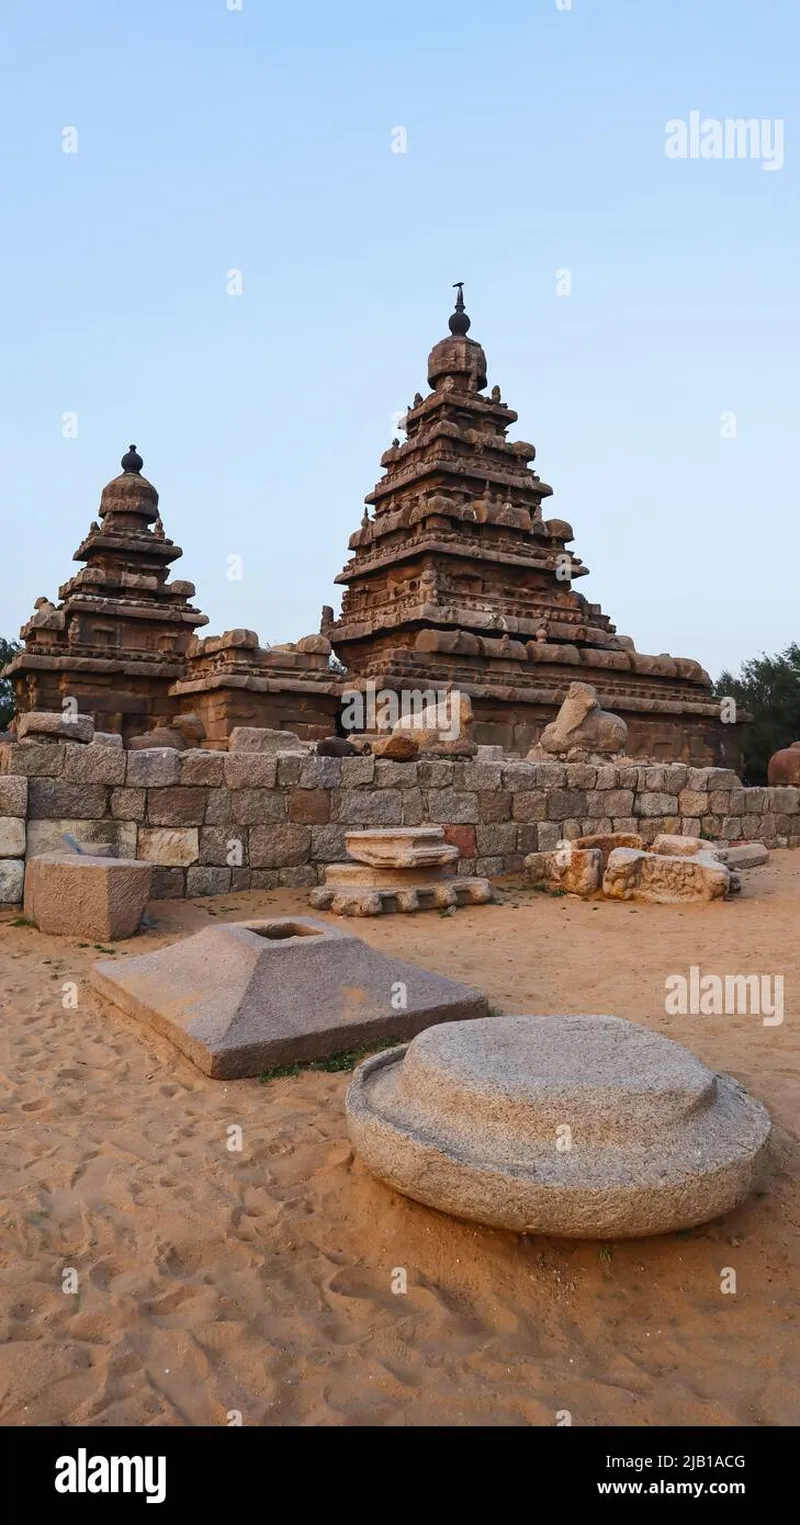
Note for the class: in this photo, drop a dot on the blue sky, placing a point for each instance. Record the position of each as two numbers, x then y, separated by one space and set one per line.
261 140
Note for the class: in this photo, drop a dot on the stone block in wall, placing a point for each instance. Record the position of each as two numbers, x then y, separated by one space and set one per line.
153 768
223 847
363 807
549 836
309 807
719 802
435 773
751 825
12 881
50 799
290 766
732 828
207 881
257 807
63 723
497 840
479 776
518 776
12 836
466 866
565 803
168 883
655 804
693 802
652 780
116 838
279 846
581 776
452 807
168 846
93 765
627 778
251 770
321 773
528 838
655 826
201 767
413 807
784 824
738 801
30 759
219 806
357 771
711 827
128 804
706 779
784 800
303 878
13 796
611 802
395 775
462 837
595 824
486 867
676 777
496 807
691 826
264 879
176 806
328 844
755 802
240 879
627 823
528 805
607 777
570 830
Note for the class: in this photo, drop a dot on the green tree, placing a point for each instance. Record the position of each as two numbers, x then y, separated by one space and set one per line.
7 649
769 687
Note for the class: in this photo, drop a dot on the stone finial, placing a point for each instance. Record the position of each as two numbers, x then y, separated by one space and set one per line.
459 323
131 460
495 394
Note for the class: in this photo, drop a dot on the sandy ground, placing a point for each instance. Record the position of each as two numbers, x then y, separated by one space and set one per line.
211 1281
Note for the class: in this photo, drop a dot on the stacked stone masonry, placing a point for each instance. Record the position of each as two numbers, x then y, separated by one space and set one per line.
212 822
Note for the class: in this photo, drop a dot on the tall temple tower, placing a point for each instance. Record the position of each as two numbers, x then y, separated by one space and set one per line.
458 581
119 636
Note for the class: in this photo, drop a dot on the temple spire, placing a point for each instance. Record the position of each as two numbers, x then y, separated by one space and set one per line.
460 324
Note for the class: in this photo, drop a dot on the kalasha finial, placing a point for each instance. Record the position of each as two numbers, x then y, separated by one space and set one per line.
460 324
132 461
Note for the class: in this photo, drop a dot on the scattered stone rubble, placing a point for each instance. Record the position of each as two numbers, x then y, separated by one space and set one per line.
583 1126
676 869
400 868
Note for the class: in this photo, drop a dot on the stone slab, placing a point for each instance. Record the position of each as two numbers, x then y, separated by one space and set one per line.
247 738
249 996
12 837
348 875
73 895
745 855
115 838
401 847
472 1119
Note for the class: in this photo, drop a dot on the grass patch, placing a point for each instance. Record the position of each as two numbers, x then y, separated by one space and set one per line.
347 1059
20 921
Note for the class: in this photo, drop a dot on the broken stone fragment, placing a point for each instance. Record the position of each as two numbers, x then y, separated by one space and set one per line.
662 880
574 870
56 725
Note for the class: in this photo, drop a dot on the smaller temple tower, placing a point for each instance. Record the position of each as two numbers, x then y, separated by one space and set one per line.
118 638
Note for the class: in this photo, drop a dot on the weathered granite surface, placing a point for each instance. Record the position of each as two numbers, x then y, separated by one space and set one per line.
582 1126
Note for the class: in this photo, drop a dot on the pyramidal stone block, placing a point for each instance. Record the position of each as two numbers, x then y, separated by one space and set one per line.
468 1119
250 996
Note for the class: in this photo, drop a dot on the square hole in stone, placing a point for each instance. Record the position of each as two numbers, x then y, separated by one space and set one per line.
277 931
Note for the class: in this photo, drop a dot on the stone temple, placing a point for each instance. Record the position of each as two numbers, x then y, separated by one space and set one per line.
456 581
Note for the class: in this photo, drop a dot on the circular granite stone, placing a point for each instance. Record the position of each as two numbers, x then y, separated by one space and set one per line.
582 1126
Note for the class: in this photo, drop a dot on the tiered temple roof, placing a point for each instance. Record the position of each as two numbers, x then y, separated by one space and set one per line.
457 579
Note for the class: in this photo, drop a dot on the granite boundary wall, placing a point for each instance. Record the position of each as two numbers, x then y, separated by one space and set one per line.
213 823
